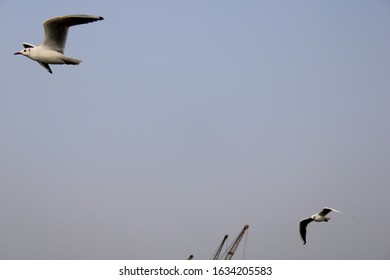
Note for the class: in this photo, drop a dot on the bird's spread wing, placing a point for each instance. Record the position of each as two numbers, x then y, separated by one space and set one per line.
28 45
302 228
326 210
46 66
56 29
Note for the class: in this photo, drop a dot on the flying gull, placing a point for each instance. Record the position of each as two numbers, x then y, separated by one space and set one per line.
51 50
319 217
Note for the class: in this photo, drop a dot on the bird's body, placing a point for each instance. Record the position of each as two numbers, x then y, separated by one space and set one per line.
319 217
51 51
48 56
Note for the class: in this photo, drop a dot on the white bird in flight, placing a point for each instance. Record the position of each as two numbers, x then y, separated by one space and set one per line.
319 217
51 50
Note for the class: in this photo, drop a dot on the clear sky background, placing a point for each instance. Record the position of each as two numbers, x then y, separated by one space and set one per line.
187 120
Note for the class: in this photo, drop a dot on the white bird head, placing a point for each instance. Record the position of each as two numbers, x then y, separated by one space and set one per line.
25 52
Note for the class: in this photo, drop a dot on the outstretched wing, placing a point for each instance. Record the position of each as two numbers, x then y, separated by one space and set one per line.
28 45
326 210
56 29
302 228
46 66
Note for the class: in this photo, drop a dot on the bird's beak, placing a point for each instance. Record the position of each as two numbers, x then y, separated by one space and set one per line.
17 53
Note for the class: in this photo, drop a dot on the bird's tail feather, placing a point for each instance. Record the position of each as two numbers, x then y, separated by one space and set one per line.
73 61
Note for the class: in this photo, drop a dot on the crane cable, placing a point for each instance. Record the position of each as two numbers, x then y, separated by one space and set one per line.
245 242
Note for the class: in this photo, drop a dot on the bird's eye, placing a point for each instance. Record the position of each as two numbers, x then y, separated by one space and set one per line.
24 50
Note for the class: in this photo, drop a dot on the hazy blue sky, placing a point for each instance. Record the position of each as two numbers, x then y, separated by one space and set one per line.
187 120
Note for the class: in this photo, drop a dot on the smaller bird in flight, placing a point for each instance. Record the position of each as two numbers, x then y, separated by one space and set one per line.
51 50
319 217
